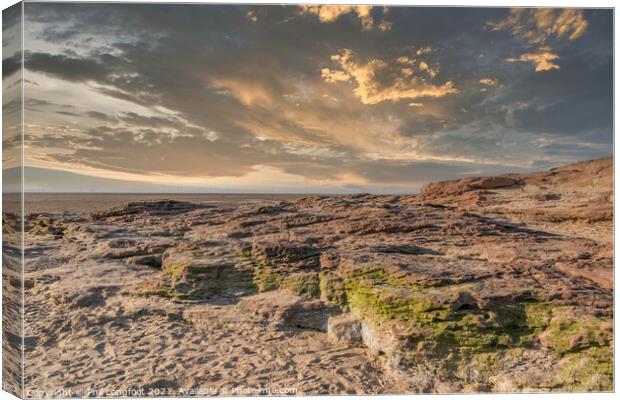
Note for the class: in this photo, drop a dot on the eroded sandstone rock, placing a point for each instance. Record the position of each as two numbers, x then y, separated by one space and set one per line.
345 328
485 284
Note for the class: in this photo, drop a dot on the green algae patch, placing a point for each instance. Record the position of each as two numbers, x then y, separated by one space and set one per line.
538 314
266 278
569 333
382 304
45 226
224 280
588 370
176 271
303 283
581 342
453 322
476 344
468 330
379 297
246 253
158 288
6 227
200 277
481 367
332 289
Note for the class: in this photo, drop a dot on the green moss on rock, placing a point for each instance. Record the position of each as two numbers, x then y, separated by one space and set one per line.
332 288
6 227
158 288
481 339
266 278
588 370
303 283
45 226
568 332
176 271
196 278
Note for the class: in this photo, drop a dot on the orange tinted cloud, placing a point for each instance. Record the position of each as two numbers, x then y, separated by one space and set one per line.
543 59
538 25
377 81
247 92
329 14
488 81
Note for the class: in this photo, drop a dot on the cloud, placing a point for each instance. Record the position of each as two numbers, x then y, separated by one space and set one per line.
488 81
143 151
71 69
252 16
247 91
377 81
432 72
100 116
11 65
329 14
543 59
384 26
537 25
198 92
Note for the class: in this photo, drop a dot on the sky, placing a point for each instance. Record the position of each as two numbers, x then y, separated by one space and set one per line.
310 99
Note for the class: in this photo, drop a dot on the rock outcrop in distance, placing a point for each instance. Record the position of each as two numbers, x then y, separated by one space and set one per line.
482 284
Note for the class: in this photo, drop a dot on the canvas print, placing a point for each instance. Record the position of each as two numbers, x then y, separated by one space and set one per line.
244 200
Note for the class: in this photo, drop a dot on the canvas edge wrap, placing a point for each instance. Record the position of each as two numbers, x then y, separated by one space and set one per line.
12 201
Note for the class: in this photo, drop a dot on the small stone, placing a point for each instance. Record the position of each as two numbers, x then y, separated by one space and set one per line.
92 298
345 328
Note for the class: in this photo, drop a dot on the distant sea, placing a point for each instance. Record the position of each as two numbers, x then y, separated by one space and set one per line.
88 202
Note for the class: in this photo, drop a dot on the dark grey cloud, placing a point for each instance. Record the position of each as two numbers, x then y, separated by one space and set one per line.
11 65
67 68
153 122
11 26
101 116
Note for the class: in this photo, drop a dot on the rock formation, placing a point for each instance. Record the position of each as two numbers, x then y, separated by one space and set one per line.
483 284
